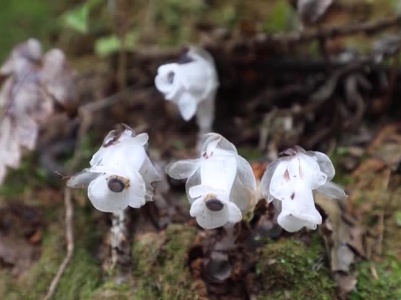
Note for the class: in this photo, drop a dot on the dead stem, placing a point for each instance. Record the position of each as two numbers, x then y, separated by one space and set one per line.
69 233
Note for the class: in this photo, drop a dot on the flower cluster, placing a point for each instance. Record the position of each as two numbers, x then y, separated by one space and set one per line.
191 84
220 185
121 173
35 85
290 182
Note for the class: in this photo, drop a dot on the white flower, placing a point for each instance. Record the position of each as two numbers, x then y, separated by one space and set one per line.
191 84
121 173
220 186
290 181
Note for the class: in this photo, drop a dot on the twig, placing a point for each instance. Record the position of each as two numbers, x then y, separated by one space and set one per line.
69 233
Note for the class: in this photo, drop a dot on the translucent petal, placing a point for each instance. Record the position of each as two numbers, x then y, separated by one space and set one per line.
136 191
206 218
281 187
266 179
311 174
193 180
149 174
245 173
242 196
324 162
234 213
195 77
187 104
167 81
82 179
332 190
219 170
299 212
214 140
27 131
105 200
182 169
199 191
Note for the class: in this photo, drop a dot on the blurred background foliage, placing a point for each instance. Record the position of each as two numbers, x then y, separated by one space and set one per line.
97 26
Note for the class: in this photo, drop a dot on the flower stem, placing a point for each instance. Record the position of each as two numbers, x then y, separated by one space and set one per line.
120 246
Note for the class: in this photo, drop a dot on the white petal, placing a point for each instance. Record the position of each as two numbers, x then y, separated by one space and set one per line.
242 196
234 213
105 200
187 104
206 218
219 170
183 168
193 180
311 174
196 77
266 179
136 191
82 179
168 82
149 175
214 140
27 131
245 173
299 212
198 191
325 164
332 190
281 187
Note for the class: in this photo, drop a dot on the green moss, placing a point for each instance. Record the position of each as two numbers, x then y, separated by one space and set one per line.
386 285
160 269
288 269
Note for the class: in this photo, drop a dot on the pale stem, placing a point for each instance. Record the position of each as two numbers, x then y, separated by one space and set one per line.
204 119
119 238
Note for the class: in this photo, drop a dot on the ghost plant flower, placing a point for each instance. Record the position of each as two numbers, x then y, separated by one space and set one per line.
220 185
121 173
30 92
191 84
290 182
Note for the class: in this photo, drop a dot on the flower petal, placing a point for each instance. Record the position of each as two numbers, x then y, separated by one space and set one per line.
234 213
182 169
324 162
193 180
281 187
311 174
167 81
105 200
214 140
82 179
187 104
219 170
136 191
332 190
206 218
299 212
267 178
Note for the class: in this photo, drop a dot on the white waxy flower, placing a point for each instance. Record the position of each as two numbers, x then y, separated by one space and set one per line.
121 173
291 180
191 84
220 185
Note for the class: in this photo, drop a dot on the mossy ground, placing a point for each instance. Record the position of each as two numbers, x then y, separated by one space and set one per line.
289 269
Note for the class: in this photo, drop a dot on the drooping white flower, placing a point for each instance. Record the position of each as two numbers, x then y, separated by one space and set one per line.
121 173
220 185
290 182
33 87
191 84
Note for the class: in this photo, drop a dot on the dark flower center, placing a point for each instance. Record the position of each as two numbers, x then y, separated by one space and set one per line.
170 77
214 204
116 185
